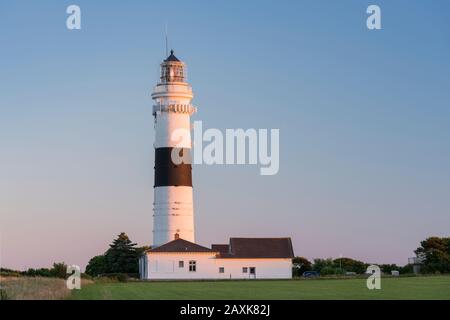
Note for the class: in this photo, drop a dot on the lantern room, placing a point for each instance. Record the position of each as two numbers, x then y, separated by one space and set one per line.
172 70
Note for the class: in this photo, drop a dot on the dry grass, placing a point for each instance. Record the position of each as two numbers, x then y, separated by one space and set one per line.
29 288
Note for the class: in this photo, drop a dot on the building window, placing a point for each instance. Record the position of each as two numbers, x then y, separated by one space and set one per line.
244 270
221 270
192 266
180 264
252 270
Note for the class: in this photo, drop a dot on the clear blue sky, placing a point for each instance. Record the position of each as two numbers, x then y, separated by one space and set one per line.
363 117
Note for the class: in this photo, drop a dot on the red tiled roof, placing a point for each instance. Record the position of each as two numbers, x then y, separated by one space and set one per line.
180 245
222 248
260 248
239 248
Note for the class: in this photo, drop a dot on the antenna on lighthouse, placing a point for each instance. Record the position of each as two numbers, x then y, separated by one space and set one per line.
167 42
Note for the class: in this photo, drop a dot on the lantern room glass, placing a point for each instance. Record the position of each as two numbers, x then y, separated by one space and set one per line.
172 72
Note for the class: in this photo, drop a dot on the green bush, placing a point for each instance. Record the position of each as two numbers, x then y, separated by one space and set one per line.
97 266
59 270
327 271
407 269
301 265
42 272
10 274
122 277
350 265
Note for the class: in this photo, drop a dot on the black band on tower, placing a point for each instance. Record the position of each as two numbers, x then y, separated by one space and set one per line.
169 174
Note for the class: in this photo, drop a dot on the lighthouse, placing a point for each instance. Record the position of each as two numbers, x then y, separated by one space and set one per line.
174 253
173 211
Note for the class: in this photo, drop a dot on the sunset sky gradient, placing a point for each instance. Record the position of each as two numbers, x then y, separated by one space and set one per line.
364 119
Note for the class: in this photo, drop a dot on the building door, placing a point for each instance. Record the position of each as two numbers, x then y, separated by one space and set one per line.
252 272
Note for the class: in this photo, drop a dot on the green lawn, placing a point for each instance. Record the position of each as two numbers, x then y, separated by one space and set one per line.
433 287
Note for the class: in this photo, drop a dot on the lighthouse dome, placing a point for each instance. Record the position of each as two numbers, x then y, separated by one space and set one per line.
172 57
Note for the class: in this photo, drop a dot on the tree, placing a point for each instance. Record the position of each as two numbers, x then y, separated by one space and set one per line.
122 256
406 269
328 270
141 250
388 268
319 264
97 265
437 254
349 265
338 266
301 264
59 270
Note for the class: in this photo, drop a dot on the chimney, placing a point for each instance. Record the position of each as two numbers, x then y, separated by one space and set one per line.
176 236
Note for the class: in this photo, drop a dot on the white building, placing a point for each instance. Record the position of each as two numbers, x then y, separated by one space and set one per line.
242 258
174 254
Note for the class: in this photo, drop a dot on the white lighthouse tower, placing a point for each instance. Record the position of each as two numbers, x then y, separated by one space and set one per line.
173 215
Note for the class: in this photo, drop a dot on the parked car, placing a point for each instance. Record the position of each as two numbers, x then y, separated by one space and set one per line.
311 274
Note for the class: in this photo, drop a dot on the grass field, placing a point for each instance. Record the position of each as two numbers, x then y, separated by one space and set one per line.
432 287
27 288
35 288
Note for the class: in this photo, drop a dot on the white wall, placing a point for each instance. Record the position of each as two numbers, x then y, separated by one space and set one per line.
165 266
169 123
173 213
